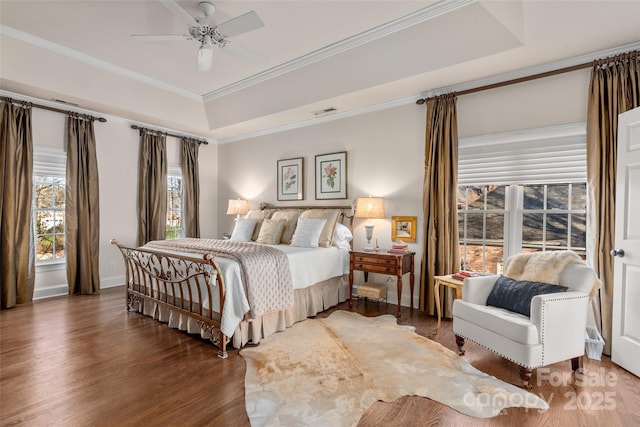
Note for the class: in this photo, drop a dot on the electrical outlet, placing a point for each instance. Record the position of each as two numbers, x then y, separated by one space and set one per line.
111 265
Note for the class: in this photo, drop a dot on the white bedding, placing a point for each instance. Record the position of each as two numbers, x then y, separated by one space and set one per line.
313 265
308 266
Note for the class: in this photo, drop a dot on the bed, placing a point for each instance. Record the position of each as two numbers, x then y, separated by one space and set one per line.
238 291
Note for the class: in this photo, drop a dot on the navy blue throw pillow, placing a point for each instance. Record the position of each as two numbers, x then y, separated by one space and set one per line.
515 295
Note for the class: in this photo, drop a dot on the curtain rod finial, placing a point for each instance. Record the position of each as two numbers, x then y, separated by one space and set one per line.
420 101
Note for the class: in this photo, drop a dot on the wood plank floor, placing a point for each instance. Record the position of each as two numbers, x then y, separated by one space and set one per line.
84 360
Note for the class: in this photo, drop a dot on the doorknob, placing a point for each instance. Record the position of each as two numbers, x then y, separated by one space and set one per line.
617 252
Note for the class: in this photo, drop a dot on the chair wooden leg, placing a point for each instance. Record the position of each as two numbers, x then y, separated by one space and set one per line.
576 365
525 376
460 343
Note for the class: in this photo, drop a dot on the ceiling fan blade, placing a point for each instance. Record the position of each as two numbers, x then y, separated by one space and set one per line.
161 37
244 53
244 23
179 12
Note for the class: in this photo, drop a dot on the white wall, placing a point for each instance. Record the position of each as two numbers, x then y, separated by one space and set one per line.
386 151
385 158
117 151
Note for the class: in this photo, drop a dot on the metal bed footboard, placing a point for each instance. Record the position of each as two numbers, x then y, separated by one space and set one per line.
185 284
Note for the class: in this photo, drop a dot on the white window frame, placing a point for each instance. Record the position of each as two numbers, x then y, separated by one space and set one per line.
543 156
48 162
175 171
484 211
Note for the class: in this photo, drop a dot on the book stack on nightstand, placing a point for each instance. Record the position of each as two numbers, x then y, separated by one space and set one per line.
399 248
461 275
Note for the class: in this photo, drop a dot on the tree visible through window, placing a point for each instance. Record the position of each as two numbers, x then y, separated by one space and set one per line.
48 214
174 207
481 225
496 222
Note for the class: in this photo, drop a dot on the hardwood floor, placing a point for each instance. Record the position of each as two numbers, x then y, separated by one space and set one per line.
84 360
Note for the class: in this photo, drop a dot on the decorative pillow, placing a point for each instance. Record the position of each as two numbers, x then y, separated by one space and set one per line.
243 230
342 236
331 215
271 231
516 295
259 216
291 218
308 232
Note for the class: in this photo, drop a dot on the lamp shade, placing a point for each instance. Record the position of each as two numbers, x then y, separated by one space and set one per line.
370 207
238 207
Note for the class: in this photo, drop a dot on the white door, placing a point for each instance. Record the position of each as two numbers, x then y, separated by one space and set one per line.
625 344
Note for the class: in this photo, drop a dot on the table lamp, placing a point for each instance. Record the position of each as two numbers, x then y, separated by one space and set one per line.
238 207
369 208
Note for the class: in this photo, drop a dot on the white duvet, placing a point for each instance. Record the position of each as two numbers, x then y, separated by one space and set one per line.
308 266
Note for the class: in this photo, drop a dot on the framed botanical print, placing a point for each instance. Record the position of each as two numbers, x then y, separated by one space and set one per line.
331 176
291 179
403 228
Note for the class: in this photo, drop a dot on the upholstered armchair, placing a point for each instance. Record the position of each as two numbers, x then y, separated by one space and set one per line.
531 324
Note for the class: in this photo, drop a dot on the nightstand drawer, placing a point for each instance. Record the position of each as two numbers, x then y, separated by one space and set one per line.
375 268
373 260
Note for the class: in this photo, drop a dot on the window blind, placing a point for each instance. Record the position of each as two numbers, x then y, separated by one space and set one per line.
174 170
534 156
49 162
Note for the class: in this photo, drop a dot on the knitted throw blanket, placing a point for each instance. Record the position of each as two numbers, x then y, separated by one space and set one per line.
265 270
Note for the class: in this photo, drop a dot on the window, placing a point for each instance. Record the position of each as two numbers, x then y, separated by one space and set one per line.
518 192
498 221
554 217
174 204
49 167
481 223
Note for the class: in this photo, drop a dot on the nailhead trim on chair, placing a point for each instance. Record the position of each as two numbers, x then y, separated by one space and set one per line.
544 308
498 353
544 304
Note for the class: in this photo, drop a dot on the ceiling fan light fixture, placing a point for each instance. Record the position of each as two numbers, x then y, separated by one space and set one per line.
210 35
205 55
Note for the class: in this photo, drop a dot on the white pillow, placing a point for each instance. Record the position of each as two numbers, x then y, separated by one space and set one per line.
243 229
341 234
307 232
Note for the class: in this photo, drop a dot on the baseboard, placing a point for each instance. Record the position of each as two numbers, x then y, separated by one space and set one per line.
51 291
112 282
63 289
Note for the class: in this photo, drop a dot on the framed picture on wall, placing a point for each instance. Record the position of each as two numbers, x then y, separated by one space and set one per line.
291 179
331 176
403 228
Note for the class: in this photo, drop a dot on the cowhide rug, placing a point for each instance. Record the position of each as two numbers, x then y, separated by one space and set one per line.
327 372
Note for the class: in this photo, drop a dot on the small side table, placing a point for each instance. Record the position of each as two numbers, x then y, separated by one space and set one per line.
445 281
384 263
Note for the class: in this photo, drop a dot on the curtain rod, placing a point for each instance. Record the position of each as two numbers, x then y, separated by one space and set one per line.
45 107
159 132
620 57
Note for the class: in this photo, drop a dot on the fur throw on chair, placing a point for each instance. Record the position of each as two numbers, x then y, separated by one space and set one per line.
543 267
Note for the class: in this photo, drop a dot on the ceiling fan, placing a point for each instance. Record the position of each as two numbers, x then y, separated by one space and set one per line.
205 31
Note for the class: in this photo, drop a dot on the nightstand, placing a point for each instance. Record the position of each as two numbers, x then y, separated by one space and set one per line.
384 263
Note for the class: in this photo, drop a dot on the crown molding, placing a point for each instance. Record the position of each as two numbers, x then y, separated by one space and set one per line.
95 62
563 130
422 15
417 17
321 119
550 66
110 117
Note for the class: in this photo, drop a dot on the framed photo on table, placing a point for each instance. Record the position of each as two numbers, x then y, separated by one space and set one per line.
403 228
291 179
331 176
